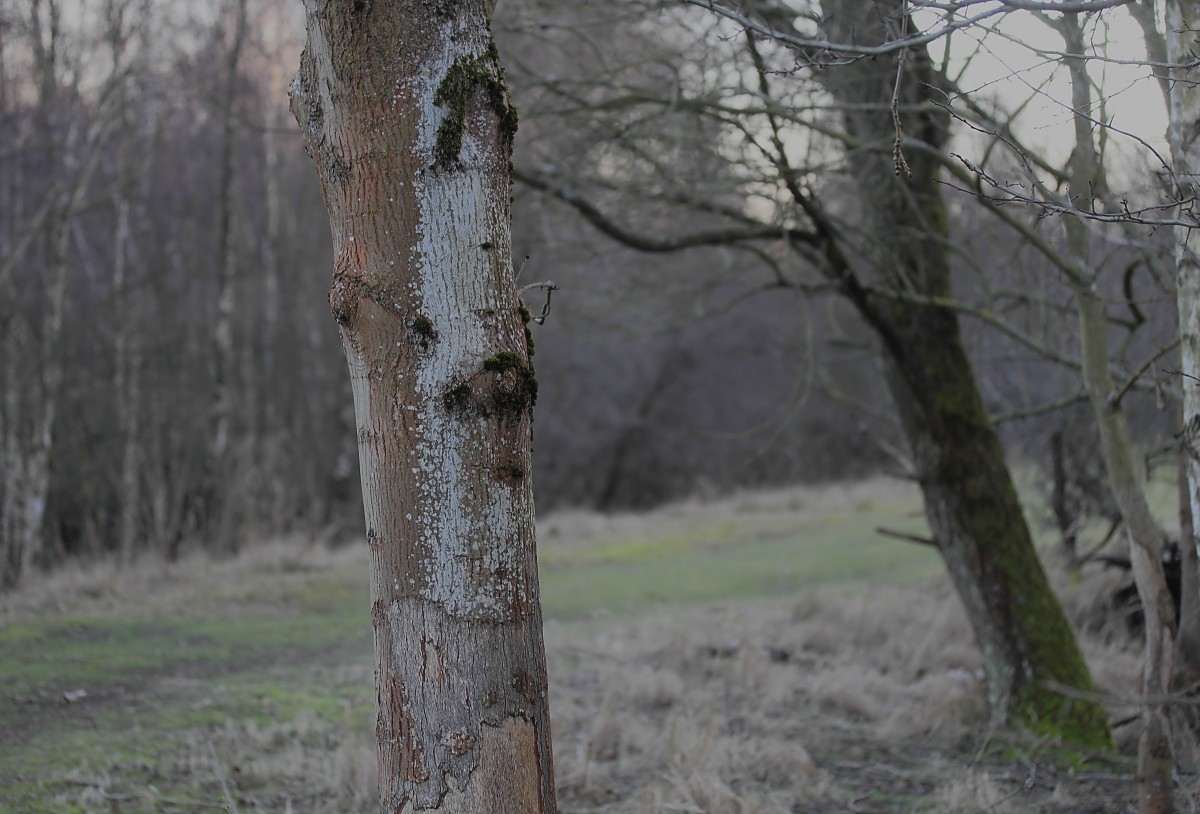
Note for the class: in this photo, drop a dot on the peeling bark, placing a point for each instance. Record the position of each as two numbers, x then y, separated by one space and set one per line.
403 110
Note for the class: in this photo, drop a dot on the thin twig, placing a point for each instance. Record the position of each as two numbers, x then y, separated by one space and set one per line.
849 49
1137 374
521 270
1040 409
1180 372
1179 699
1112 529
549 287
901 164
230 806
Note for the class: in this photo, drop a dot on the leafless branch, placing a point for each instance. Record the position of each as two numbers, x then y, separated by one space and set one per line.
1115 399
647 243
849 49
1183 698
1048 208
1041 409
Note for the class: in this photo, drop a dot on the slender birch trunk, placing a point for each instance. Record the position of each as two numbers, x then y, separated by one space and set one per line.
12 330
405 112
267 451
34 486
224 357
1146 538
36 477
12 460
128 387
1183 107
1182 25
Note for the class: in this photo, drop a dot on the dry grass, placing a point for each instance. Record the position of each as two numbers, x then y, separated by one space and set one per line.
972 793
106 586
736 707
840 699
726 708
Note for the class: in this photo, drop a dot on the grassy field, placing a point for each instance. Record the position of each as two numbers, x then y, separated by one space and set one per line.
761 653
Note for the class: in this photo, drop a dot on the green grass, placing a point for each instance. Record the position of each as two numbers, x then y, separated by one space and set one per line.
750 555
263 649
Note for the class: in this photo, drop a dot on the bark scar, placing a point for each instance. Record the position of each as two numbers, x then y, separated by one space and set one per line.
345 292
399 754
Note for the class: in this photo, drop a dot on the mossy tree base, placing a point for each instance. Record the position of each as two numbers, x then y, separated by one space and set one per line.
970 501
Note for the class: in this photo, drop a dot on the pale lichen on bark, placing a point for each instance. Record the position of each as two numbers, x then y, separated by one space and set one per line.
458 213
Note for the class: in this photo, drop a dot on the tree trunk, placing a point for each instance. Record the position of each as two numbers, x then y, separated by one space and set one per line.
970 501
1183 21
36 476
128 387
1187 649
219 511
13 456
1064 515
269 441
1155 763
977 520
1145 537
405 112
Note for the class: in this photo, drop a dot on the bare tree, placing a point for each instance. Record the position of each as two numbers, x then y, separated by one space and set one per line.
891 260
79 151
405 112
1146 538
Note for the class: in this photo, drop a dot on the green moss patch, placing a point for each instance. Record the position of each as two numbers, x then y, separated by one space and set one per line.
466 76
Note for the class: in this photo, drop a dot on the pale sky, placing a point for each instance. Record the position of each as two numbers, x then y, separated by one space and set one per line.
1007 63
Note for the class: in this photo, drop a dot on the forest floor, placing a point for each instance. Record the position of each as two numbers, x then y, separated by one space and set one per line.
762 653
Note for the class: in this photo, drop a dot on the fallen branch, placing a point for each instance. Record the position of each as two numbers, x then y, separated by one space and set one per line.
904 535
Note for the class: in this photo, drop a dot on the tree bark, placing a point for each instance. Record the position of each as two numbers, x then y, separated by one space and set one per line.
970 500
404 110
